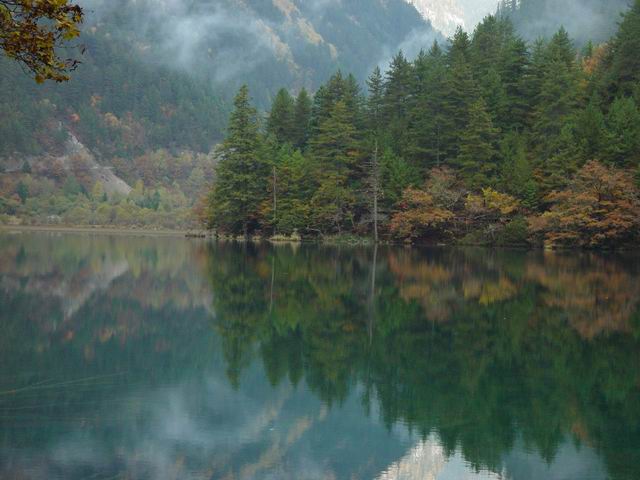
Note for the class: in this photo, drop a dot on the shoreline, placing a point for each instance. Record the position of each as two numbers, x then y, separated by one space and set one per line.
331 241
96 230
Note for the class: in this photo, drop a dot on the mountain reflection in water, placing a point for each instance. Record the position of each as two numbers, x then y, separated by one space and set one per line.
160 358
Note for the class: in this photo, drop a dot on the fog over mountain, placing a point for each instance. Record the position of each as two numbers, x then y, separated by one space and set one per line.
447 15
585 20
160 73
264 43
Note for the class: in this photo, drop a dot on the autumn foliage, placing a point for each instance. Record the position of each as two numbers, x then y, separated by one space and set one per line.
444 209
599 208
33 32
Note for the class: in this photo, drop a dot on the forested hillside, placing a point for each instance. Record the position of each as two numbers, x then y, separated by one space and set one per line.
490 140
154 87
155 73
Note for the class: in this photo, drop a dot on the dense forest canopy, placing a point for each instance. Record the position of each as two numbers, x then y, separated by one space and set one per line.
491 139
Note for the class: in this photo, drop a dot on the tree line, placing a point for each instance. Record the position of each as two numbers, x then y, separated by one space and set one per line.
490 139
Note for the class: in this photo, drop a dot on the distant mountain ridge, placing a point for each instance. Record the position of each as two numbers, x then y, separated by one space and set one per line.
159 73
445 15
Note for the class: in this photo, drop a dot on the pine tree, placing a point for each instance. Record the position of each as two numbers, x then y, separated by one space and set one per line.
397 98
623 63
590 131
335 152
515 65
460 91
241 175
558 99
516 176
294 188
301 120
281 118
337 89
431 129
396 176
478 159
623 133
555 172
375 101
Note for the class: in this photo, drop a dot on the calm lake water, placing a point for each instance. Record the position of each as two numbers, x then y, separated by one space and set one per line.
162 358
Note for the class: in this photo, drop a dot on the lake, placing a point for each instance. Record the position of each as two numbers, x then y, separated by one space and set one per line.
127 357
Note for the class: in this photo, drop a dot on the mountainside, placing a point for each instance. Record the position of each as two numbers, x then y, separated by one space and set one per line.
151 96
448 15
445 15
156 73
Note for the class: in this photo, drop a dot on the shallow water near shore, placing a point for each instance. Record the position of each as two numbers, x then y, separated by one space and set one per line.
164 358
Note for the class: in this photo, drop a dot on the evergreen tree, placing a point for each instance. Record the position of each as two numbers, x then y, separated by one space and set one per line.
301 120
335 152
623 133
375 102
460 91
431 128
516 177
396 176
555 172
478 159
397 98
280 123
590 132
241 175
294 187
557 101
623 62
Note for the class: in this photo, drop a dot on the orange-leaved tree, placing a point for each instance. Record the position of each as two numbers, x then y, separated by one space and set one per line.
428 213
599 208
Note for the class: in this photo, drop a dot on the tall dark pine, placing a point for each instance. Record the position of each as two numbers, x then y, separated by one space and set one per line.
460 91
623 62
431 128
556 104
281 118
335 152
301 120
398 90
241 175
478 159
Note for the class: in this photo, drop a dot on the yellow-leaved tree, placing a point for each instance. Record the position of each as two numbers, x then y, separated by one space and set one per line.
32 32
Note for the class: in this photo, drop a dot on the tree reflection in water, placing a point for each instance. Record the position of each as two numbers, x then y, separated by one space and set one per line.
137 357
487 349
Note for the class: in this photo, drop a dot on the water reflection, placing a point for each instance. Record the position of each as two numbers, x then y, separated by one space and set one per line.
161 358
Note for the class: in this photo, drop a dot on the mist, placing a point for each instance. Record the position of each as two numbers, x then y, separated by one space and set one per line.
585 20
265 44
